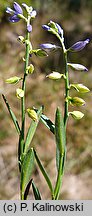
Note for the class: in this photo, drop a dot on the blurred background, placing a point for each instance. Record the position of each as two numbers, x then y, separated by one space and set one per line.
75 17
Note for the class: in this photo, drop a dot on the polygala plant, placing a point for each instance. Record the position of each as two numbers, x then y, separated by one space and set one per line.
26 153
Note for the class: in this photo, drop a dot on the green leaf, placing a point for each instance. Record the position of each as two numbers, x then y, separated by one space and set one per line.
44 172
60 132
31 131
13 117
59 177
48 123
26 171
60 150
36 192
41 53
27 189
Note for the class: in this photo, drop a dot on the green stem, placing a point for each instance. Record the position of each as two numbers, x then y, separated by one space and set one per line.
59 180
66 80
21 143
24 85
66 90
62 160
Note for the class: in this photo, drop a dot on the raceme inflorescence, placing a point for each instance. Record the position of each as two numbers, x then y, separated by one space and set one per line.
26 152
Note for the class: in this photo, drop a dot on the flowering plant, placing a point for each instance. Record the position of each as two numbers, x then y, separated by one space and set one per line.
26 153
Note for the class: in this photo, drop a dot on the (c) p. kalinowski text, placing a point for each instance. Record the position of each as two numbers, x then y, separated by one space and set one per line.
51 207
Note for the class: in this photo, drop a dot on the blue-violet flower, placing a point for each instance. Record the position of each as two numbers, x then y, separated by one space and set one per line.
14 13
29 28
78 46
49 46
46 27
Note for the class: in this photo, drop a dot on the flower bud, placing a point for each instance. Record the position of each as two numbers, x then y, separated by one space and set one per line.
80 88
54 75
60 30
19 93
78 67
47 46
78 46
33 14
30 69
32 114
13 80
77 115
76 101
46 27
26 7
21 39
40 53
29 28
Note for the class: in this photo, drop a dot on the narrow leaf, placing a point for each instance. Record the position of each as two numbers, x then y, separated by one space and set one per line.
13 117
36 192
59 177
27 190
31 130
43 172
47 122
60 150
27 168
60 132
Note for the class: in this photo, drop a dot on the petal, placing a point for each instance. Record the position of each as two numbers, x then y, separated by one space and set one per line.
79 45
60 30
24 5
45 27
9 10
29 28
48 46
33 14
78 67
14 18
17 8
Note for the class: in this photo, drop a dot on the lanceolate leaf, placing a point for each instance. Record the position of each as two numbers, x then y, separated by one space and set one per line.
43 172
13 117
27 189
60 132
36 192
60 150
31 130
26 170
48 123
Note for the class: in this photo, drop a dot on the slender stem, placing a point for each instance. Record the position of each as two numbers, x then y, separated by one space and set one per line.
24 88
66 90
59 180
66 80
21 144
62 159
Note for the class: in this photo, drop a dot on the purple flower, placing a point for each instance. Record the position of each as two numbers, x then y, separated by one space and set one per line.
45 27
14 13
24 5
33 14
29 28
17 8
79 45
60 30
48 46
